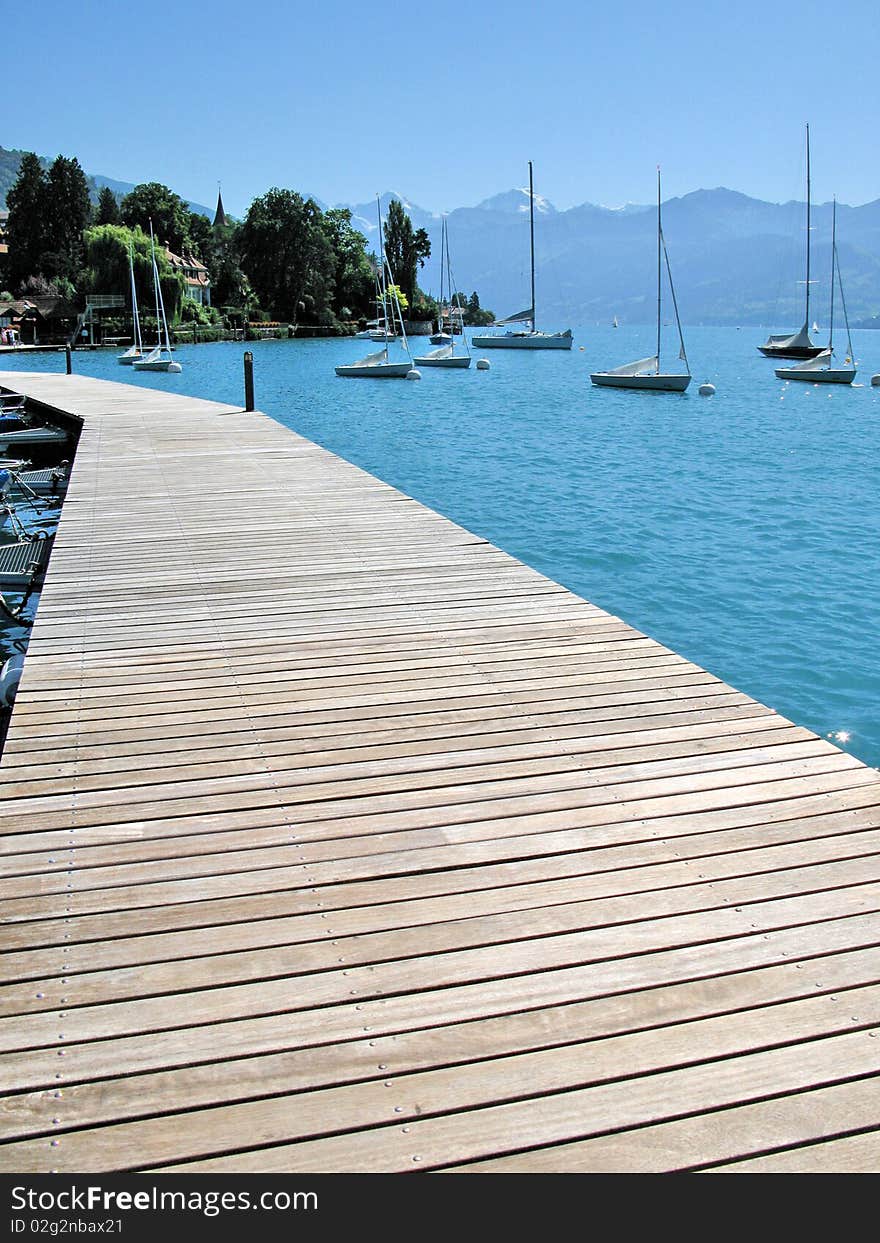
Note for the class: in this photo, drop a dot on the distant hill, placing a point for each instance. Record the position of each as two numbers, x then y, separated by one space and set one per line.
735 259
10 160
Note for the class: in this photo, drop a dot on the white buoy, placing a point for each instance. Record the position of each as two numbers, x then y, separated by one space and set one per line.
707 390
175 367
482 364
875 380
414 374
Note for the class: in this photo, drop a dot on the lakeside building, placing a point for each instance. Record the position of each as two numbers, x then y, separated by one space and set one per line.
38 320
194 273
4 221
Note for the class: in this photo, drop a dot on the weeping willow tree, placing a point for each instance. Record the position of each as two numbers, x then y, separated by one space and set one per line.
106 268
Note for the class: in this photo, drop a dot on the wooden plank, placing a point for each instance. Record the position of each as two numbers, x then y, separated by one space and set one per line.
434 817
778 1002
498 917
383 1095
433 1142
799 1120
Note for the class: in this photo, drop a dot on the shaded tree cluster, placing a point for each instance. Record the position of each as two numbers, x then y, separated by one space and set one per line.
48 212
303 263
288 259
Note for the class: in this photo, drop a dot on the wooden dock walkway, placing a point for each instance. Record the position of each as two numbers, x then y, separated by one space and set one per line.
335 838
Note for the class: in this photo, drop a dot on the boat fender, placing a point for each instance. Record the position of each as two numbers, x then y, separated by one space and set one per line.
482 364
707 390
10 676
5 480
414 374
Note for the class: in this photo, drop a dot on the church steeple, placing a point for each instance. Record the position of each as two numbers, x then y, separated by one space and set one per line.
219 214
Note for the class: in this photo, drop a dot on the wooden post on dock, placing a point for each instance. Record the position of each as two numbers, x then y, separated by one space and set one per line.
68 360
248 380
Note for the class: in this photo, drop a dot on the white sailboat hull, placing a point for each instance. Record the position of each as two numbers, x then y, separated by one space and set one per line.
819 375
128 358
671 383
524 341
374 371
159 364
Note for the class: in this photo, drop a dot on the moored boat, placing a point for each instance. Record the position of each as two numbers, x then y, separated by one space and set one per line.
135 351
796 344
379 366
525 338
646 373
822 369
446 356
159 358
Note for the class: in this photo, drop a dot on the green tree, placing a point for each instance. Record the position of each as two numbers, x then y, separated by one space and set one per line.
25 228
200 237
474 315
107 211
106 268
406 248
353 275
286 255
229 285
167 210
67 210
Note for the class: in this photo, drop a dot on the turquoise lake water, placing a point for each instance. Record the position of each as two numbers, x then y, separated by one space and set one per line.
741 530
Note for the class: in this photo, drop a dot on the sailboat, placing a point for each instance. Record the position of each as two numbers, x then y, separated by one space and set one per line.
822 369
378 366
440 337
136 349
530 338
159 358
798 344
451 321
614 322
446 356
646 373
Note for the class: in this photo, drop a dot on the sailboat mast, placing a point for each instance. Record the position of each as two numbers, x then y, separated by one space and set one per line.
833 265
382 275
532 242
155 285
659 267
850 357
136 319
449 292
807 311
442 252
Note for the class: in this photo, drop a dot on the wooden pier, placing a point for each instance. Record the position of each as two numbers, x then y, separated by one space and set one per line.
335 838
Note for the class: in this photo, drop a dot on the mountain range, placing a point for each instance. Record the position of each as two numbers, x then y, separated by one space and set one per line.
735 259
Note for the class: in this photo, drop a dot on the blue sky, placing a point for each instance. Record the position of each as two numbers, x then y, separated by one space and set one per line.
445 104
